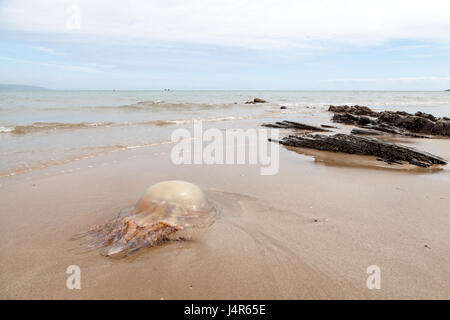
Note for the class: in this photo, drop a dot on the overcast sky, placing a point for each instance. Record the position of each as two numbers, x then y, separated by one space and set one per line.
188 44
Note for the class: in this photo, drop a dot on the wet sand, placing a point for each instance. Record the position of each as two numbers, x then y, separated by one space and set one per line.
309 232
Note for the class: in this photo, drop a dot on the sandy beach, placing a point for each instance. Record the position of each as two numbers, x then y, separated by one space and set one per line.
225 150
308 232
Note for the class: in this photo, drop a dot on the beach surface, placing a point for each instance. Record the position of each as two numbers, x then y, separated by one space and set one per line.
308 232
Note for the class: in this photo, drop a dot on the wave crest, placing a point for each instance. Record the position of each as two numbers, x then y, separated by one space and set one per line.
56 126
49 126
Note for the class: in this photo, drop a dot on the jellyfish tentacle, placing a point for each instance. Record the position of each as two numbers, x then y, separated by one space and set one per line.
125 235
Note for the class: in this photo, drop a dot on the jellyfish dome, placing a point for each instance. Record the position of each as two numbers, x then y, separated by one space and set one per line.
165 208
173 192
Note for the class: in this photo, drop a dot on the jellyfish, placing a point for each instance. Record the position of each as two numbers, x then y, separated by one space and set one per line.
165 208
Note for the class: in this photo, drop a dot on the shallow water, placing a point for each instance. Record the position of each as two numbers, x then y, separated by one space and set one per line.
43 128
308 232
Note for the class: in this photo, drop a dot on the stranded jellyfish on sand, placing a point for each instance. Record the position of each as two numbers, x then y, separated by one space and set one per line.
165 208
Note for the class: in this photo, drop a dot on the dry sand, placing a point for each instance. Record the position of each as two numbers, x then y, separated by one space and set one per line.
309 232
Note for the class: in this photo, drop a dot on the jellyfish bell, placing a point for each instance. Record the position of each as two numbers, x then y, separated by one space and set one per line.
175 192
175 202
164 210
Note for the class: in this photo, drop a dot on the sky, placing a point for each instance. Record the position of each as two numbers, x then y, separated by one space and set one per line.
226 44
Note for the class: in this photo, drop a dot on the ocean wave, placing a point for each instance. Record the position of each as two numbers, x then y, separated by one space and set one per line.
51 126
155 105
189 121
56 126
137 106
6 129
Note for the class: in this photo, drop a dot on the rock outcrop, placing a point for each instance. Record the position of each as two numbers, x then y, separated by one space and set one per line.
353 144
256 100
293 125
369 132
394 122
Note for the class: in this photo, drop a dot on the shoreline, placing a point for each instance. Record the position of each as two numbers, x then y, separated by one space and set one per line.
308 232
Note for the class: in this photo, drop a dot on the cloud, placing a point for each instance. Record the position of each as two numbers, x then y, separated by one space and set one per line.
262 24
45 50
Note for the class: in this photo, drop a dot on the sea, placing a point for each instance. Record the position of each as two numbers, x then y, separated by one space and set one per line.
45 128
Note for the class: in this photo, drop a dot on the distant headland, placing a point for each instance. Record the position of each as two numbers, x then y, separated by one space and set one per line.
20 87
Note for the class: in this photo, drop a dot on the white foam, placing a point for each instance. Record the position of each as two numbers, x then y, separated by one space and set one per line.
6 129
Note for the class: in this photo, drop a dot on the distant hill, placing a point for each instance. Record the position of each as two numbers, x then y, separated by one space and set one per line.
20 87
447 90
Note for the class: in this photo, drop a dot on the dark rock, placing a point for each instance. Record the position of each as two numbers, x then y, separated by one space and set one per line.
412 123
442 127
256 100
358 110
293 125
338 108
346 118
283 107
393 130
364 120
328 126
399 122
426 115
353 144
367 132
